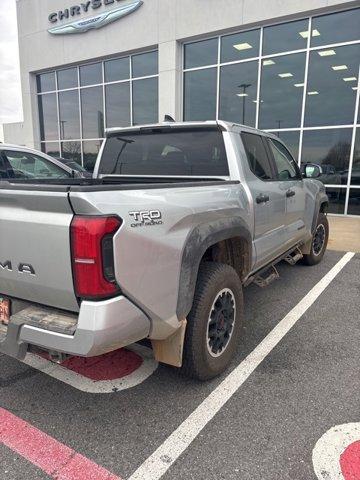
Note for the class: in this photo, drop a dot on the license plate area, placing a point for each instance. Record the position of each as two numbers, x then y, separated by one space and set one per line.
5 308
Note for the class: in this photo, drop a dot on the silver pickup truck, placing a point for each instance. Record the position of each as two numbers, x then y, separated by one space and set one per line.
158 245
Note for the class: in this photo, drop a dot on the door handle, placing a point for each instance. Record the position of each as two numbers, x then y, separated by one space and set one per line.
290 193
262 198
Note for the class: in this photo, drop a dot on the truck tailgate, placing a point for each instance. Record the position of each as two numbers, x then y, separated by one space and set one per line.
35 258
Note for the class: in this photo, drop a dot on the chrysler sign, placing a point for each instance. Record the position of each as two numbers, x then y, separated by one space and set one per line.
97 21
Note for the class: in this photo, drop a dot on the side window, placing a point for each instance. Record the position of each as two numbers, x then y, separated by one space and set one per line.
257 156
27 165
285 165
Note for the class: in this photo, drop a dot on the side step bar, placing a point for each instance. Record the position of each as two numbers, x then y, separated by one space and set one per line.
268 274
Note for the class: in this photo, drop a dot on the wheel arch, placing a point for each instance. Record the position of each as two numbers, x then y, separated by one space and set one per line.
226 241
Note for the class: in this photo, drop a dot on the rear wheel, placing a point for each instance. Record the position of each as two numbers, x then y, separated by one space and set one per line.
214 323
319 241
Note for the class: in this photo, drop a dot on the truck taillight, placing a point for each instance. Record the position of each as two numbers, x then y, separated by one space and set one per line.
93 256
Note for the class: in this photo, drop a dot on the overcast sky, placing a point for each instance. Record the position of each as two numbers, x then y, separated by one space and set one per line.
10 91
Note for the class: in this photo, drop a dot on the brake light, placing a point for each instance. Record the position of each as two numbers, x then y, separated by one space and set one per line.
93 256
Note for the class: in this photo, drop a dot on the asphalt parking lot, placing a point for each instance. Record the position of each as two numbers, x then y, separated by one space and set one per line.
307 384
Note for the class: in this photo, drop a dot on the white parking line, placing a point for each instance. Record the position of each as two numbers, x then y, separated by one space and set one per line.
168 452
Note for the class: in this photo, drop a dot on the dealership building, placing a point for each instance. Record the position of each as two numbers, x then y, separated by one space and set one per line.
286 66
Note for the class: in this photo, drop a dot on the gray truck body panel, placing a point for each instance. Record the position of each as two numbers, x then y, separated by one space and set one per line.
155 266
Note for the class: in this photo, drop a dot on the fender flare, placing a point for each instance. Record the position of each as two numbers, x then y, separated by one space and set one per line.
321 198
198 241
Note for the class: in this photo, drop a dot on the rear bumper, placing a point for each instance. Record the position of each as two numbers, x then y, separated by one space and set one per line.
101 327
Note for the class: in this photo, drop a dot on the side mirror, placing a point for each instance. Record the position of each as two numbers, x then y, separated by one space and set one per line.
312 170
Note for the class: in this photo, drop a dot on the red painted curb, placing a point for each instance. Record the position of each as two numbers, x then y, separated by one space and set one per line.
350 462
43 451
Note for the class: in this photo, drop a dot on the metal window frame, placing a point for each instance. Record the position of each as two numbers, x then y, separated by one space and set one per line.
259 58
59 141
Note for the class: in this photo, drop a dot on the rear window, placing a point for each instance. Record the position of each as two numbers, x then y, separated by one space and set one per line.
166 153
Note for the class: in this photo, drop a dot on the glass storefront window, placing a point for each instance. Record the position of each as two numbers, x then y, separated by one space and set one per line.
291 140
240 46
118 69
90 74
200 94
337 198
145 101
48 117
200 54
354 201
238 91
90 153
117 104
67 78
331 150
46 82
69 115
281 92
51 148
333 74
336 28
355 172
71 151
285 37
92 112
145 64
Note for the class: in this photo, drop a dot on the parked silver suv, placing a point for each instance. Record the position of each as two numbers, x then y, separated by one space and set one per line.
178 218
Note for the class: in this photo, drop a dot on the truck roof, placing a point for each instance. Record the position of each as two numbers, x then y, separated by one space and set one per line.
223 125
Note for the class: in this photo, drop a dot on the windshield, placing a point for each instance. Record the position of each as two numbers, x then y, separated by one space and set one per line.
191 152
24 165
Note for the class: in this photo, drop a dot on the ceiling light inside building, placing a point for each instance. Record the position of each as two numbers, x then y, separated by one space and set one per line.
350 79
242 46
339 67
286 75
354 88
305 34
268 62
298 85
314 92
326 53
242 94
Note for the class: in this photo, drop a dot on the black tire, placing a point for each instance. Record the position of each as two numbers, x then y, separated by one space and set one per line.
216 281
318 249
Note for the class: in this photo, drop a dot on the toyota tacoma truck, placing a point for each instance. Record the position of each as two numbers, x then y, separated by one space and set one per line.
177 219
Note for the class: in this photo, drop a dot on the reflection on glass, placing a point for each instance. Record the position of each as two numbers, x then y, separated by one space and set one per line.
291 140
336 27
118 69
200 95
240 46
354 201
90 74
90 153
336 199
355 172
331 150
238 90
145 64
202 53
331 80
145 101
51 148
48 117
71 151
46 82
67 78
117 104
69 115
92 112
285 37
281 92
